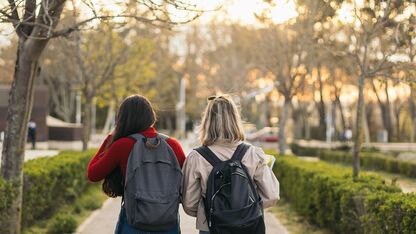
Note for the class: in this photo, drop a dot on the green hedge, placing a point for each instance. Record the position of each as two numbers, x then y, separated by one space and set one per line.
329 197
304 151
49 183
299 150
372 160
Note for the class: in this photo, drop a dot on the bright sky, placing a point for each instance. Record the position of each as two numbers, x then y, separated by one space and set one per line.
232 10
244 11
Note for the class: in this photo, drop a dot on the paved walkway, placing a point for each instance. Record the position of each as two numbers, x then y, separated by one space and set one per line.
32 154
104 220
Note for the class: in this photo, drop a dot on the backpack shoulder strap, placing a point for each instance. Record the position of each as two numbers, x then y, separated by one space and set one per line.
208 155
163 136
240 151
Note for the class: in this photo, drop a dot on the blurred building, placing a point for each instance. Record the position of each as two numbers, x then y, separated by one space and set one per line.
39 110
47 127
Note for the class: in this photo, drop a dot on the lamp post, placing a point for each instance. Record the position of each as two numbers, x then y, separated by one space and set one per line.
329 125
93 116
78 108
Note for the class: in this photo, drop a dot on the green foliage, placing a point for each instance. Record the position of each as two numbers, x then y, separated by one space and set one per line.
80 208
90 203
49 184
343 147
328 196
304 151
7 194
372 160
370 149
62 223
391 213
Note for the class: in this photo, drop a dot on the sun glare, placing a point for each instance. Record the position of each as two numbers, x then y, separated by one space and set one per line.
244 11
346 13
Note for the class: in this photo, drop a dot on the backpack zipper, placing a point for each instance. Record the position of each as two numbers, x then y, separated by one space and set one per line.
212 199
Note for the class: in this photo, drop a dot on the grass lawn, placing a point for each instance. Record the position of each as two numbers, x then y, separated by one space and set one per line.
72 215
293 222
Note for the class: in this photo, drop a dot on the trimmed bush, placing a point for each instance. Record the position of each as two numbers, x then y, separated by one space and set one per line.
62 223
343 147
91 203
49 183
304 151
372 160
328 196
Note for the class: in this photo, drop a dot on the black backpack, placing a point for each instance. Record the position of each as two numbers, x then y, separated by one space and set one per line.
232 204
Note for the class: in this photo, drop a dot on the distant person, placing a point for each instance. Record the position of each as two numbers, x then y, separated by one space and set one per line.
348 134
227 183
32 133
142 166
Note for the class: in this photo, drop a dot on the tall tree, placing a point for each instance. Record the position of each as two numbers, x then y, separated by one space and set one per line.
408 38
371 47
35 23
58 72
283 56
287 49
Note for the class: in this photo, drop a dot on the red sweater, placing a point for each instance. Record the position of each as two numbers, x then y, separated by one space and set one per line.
105 162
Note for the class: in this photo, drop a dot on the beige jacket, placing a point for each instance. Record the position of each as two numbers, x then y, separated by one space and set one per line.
196 171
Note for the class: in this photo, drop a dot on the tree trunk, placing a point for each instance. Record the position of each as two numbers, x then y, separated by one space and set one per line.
282 125
322 120
18 113
341 112
109 120
412 108
365 125
20 105
397 111
385 110
358 126
263 115
268 112
388 114
86 122
307 127
335 133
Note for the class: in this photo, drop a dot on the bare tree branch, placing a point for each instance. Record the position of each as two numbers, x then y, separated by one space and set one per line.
14 15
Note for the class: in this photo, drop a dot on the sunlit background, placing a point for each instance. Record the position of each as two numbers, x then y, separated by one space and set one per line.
330 81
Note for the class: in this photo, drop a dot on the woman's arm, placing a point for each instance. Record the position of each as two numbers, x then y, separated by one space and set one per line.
266 181
105 161
191 187
177 149
103 146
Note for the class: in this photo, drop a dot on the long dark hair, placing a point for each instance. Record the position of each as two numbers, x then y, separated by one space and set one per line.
135 115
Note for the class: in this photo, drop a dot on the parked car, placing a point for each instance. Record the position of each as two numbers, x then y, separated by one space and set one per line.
267 134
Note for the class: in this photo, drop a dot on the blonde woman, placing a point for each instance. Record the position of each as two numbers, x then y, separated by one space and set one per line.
222 167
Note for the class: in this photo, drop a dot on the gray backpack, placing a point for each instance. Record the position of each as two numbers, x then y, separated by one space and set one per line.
152 185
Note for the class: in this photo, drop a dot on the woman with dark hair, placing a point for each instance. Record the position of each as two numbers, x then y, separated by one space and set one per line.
135 115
